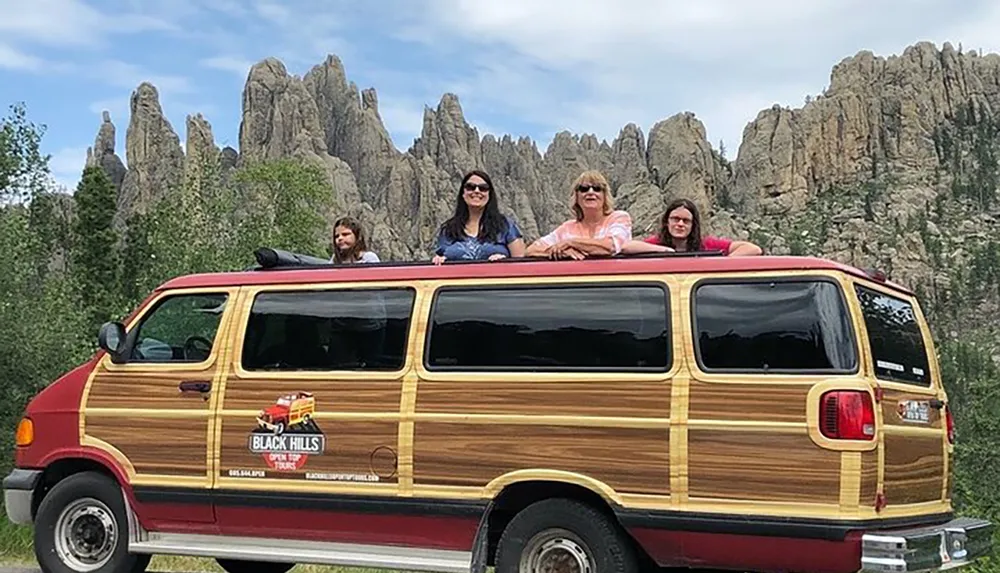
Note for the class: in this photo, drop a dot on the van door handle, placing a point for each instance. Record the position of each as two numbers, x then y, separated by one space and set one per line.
936 403
201 386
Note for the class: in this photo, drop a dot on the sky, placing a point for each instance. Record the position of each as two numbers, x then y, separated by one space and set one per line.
520 67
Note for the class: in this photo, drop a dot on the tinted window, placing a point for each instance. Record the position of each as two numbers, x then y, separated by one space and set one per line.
620 327
897 345
363 329
800 326
180 328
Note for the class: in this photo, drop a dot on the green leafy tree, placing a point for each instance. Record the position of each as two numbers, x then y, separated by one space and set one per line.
284 206
24 170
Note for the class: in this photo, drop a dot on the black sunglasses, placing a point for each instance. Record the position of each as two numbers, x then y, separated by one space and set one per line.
474 186
584 188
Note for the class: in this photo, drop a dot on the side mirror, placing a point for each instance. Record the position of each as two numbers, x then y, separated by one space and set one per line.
111 338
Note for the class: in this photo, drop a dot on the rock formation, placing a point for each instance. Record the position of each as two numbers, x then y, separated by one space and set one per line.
894 164
153 152
103 155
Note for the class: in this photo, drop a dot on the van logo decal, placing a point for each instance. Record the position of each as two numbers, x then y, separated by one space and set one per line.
918 411
286 433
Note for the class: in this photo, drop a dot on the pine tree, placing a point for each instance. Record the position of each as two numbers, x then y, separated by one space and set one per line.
135 261
94 258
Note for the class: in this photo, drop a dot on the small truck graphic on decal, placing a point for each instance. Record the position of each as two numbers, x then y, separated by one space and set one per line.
290 410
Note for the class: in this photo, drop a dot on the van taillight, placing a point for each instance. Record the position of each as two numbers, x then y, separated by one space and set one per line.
847 415
950 424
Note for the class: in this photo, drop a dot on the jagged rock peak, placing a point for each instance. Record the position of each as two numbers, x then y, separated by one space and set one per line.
369 100
153 153
104 143
202 157
103 155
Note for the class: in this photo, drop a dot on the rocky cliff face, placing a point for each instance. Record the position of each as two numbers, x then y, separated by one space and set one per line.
894 164
153 152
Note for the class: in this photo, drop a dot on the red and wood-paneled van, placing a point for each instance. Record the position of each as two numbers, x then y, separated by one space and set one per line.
602 416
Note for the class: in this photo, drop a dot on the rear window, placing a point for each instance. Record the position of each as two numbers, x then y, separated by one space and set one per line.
897 345
788 326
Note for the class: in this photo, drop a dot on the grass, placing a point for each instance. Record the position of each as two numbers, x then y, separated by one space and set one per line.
15 542
16 549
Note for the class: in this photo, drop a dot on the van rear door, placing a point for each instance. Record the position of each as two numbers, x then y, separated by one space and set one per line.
913 442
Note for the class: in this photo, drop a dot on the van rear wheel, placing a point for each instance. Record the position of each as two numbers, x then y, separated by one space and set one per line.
241 566
565 536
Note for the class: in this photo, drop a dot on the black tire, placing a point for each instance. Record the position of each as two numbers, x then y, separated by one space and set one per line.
90 505
241 566
582 532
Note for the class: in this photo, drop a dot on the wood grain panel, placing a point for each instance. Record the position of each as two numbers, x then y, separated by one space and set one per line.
145 390
358 448
748 402
869 478
761 466
890 414
914 468
628 460
156 445
950 476
331 395
634 399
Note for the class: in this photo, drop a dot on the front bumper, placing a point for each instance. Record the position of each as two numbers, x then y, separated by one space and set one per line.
929 548
18 494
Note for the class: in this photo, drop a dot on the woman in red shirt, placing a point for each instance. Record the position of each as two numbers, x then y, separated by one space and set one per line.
680 230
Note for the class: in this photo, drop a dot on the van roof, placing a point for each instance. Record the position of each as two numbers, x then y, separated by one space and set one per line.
672 263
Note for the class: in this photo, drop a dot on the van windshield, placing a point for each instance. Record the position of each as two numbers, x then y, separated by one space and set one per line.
896 342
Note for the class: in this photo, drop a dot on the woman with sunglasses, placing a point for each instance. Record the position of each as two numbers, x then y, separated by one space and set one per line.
477 230
597 228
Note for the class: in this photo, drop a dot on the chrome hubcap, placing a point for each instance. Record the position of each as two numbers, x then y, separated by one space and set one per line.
556 551
86 535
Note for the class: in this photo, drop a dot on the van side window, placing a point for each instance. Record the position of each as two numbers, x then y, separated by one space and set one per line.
180 328
344 329
755 326
897 345
619 327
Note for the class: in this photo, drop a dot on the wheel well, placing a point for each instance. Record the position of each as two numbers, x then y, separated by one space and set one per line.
515 497
62 469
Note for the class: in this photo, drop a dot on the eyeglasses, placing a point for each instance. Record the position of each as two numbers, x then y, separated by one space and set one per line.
585 187
473 186
675 220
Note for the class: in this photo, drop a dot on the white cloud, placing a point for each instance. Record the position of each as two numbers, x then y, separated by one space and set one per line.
126 75
117 107
66 166
273 12
979 33
403 118
13 59
234 64
69 22
594 65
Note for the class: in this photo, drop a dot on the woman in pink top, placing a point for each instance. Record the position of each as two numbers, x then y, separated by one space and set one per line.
680 230
597 228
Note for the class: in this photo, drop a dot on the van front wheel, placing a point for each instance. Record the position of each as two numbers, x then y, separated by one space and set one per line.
563 535
81 527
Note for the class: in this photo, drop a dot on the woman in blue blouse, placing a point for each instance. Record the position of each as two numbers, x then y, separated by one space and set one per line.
477 230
